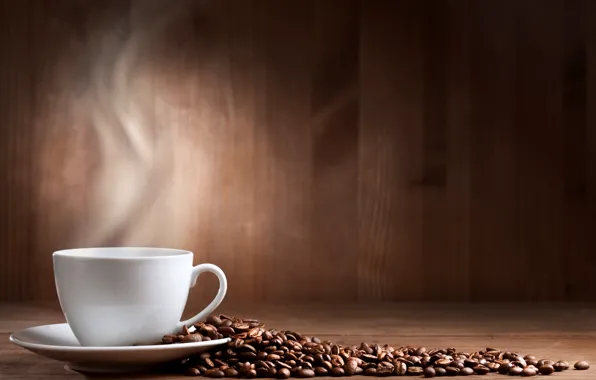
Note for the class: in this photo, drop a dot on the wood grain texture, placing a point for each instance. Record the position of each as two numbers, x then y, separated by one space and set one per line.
340 150
558 331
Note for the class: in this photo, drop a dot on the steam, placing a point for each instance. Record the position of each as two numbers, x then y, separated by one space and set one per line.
133 200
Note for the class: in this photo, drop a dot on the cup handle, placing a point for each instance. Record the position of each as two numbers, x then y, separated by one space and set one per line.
221 293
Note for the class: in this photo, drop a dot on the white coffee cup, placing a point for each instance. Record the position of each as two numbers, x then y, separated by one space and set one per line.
128 295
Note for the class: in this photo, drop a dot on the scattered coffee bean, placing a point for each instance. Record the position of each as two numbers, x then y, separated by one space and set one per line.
466 371
337 371
231 372
215 373
414 371
544 362
561 366
192 338
268 353
452 371
283 373
546 369
515 371
440 371
429 372
529 372
305 373
581 365
191 371
504 368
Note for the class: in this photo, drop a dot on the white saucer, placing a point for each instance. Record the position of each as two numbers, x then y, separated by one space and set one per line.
59 343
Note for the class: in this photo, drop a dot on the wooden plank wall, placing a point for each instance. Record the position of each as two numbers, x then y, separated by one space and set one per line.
336 150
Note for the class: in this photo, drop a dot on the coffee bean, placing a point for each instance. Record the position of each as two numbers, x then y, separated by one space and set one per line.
481 370
191 338
529 372
400 368
337 371
215 373
440 371
321 371
371 371
544 362
515 371
493 367
350 367
305 373
546 369
191 371
581 365
466 371
230 372
452 371
457 363
283 373
251 374
429 372
414 371
533 362
504 368
214 320
561 366
226 331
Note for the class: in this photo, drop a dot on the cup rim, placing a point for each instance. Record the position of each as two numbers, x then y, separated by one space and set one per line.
83 253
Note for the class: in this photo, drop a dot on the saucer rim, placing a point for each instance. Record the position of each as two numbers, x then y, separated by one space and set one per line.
39 346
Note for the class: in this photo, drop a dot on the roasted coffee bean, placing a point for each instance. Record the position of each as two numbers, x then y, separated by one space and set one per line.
191 371
429 372
192 338
493 367
443 362
413 371
515 371
305 373
466 371
440 371
263 372
457 363
215 373
528 372
337 371
581 365
321 371
561 366
400 368
251 374
226 331
283 373
544 362
504 368
231 372
546 369
350 367
371 371
481 370
452 371
533 362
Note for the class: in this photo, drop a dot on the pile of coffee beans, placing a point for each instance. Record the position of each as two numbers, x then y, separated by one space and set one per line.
259 352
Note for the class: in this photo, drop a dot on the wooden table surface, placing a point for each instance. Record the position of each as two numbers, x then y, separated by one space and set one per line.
559 331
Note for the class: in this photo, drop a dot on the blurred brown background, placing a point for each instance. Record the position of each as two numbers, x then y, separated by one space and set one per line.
316 150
